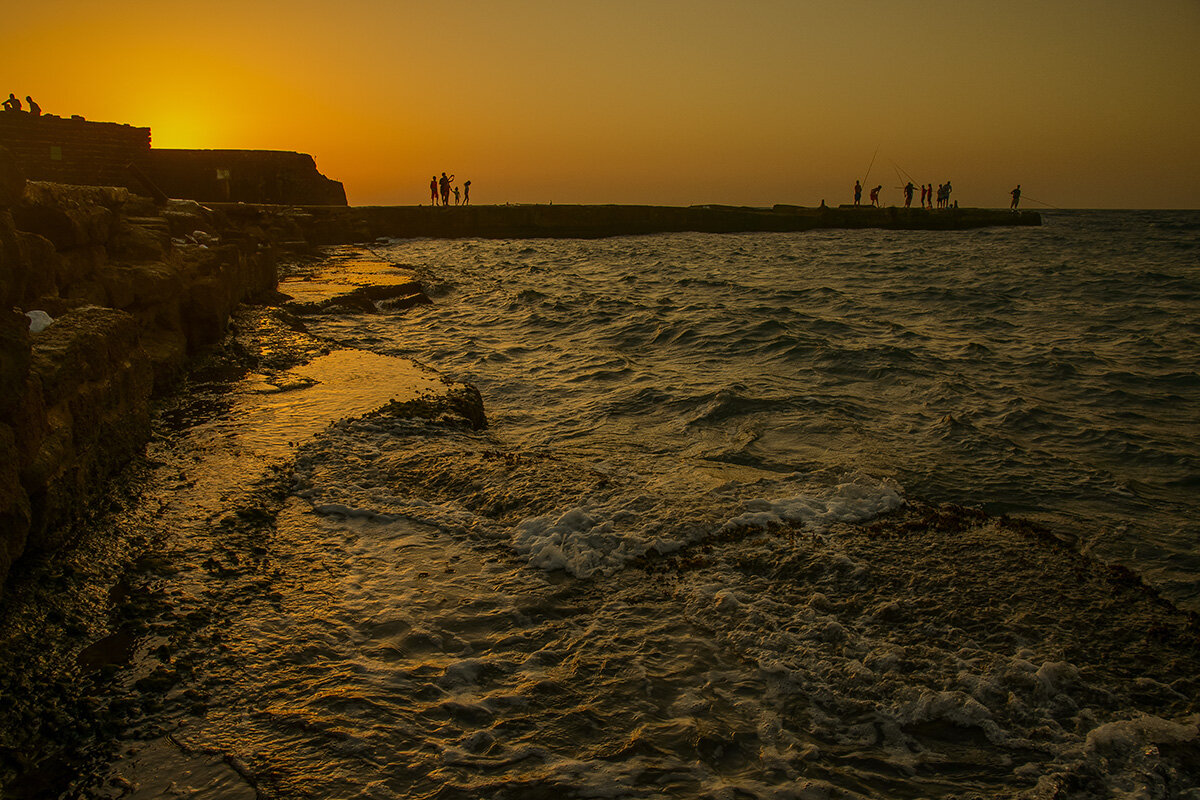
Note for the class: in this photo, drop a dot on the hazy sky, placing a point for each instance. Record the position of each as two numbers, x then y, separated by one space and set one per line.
1086 104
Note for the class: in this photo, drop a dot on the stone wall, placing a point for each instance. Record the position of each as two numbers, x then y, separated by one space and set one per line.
73 150
250 176
132 290
76 151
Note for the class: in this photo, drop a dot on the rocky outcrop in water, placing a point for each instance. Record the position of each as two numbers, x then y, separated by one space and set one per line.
128 289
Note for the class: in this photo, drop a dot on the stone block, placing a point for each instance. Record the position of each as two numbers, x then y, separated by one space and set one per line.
12 180
14 505
15 353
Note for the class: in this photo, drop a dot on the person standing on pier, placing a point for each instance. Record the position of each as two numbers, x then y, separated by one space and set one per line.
466 193
12 103
948 190
433 190
1016 197
875 195
456 202
908 193
444 185
857 192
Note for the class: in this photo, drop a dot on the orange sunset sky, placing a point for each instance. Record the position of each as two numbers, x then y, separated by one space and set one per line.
1086 104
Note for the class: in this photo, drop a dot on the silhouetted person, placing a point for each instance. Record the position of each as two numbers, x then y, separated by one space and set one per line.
433 190
1016 195
34 108
444 185
908 193
875 195
924 194
456 200
466 193
857 193
12 103
948 190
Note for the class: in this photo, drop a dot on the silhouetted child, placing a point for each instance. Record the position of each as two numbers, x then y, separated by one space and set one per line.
12 103
466 193
34 108
456 202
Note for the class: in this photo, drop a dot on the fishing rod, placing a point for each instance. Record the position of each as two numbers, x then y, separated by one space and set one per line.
1040 202
864 180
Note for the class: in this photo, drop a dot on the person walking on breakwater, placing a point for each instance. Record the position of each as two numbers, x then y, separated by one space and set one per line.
444 185
466 193
12 103
34 108
875 195
908 193
857 193
1016 197
433 194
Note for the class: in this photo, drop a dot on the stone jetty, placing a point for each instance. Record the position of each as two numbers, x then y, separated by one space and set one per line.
340 225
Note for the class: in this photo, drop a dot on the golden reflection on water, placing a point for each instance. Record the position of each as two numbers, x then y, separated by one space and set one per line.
285 410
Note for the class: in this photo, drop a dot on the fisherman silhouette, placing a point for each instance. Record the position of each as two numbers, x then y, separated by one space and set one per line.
34 108
433 190
857 192
875 195
466 193
1016 197
908 193
12 103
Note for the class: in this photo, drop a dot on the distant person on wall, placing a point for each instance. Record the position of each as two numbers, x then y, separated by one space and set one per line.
433 190
456 199
875 195
466 193
857 193
1016 197
948 190
444 185
924 194
908 193
12 103
34 108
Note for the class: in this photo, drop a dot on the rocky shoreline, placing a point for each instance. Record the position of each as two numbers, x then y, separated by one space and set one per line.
127 291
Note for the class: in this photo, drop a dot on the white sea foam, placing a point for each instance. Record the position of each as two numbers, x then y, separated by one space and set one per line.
853 501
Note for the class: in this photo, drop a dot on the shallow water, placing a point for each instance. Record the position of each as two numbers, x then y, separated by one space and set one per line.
662 570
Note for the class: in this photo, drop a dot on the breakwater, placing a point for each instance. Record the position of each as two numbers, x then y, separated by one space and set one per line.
343 225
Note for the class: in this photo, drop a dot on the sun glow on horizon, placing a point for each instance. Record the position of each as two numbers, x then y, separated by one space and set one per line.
663 102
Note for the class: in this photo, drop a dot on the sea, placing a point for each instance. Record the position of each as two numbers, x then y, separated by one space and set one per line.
831 514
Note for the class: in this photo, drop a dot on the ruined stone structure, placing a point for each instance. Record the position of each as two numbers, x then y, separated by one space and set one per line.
76 151
131 288
249 176
49 148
